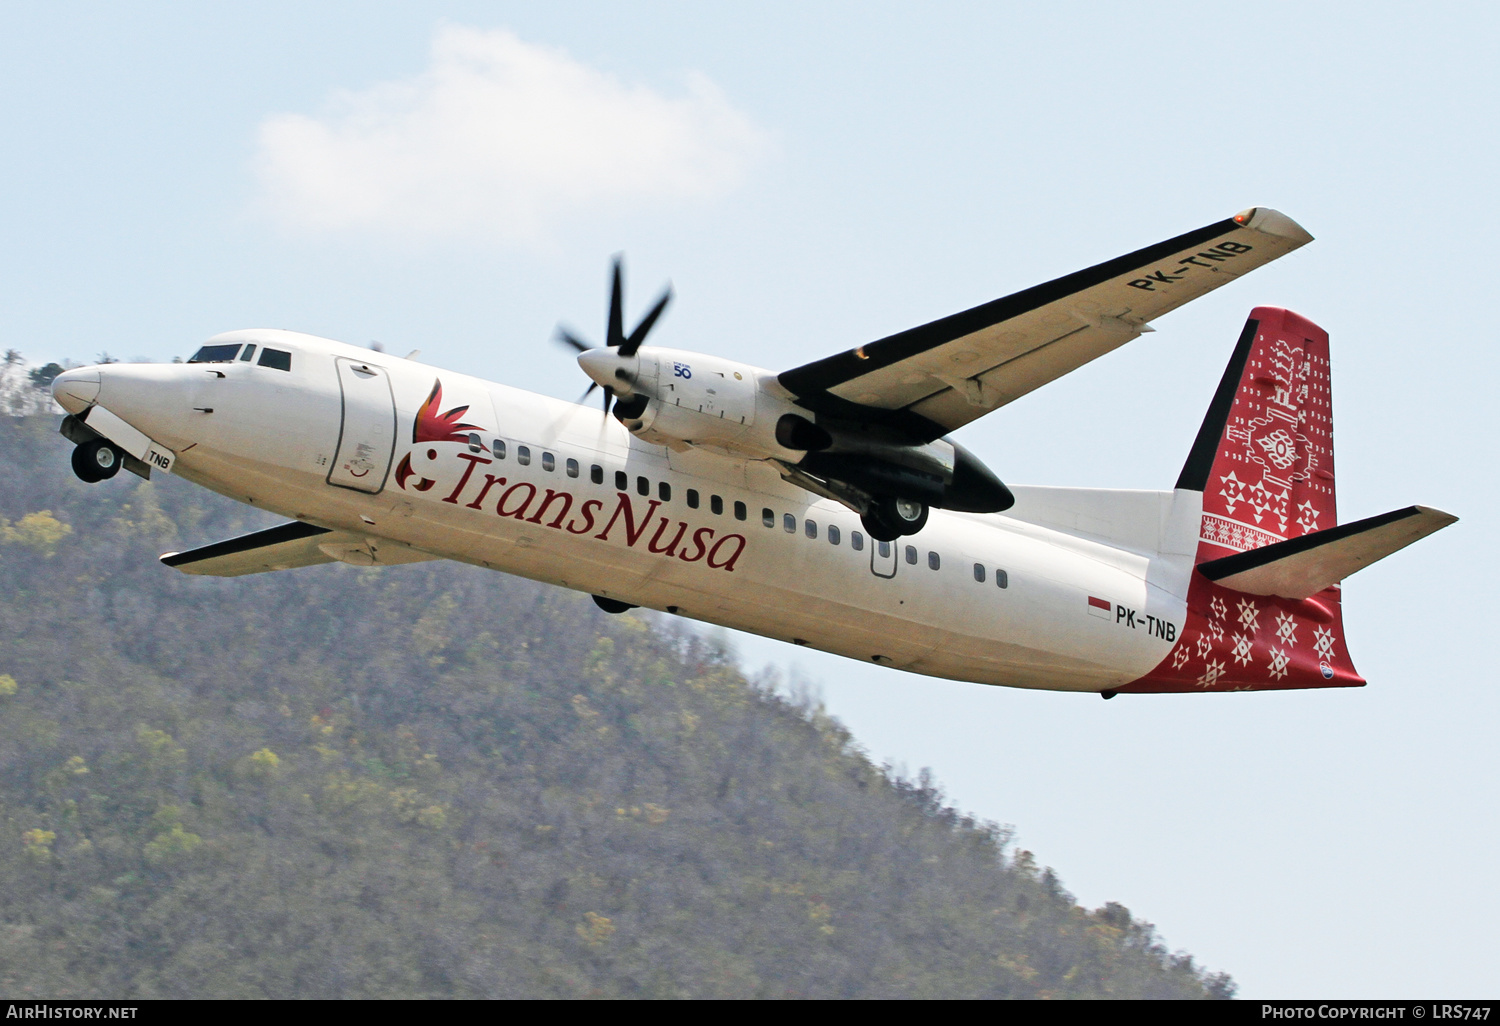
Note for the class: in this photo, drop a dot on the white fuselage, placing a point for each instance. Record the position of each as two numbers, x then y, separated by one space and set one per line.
807 572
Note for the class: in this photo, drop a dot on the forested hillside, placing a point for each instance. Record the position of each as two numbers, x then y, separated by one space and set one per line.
436 781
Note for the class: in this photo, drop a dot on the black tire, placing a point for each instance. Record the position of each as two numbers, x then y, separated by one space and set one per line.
610 605
904 516
878 528
96 461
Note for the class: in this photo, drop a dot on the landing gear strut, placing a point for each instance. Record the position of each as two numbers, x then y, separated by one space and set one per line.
96 460
888 519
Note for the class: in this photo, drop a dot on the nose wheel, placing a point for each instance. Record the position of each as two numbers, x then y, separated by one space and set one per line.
889 518
96 460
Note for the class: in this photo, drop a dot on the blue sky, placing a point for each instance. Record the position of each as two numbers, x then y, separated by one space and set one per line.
454 177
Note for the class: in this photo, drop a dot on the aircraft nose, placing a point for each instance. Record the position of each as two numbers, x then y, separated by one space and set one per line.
154 398
76 390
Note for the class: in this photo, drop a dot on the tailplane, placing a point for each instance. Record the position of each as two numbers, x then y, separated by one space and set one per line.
1300 568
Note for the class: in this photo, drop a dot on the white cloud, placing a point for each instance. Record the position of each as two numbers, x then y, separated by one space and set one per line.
502 138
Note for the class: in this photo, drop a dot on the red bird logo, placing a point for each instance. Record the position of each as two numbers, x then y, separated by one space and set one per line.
432 426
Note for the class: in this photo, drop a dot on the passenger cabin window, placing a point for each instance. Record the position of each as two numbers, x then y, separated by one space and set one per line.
810 528
523 455
979 572
911 554
596 474
833 535
663 491
1002 578
856 541
475 445
549 461
692 498
215 354
934 561
716 504
248 354
498 448
740 512
572 468
789 523
622 481
642 486
768 518
276 359
885 549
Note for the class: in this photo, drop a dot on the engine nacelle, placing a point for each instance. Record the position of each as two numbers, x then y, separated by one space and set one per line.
682 399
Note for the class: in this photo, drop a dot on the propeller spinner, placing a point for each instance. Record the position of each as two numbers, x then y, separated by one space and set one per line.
615 371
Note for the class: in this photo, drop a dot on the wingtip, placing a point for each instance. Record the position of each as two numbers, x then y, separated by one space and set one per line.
175 561
1443 518
1273 222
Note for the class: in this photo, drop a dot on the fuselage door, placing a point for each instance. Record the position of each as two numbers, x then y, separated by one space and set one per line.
882 558
367 434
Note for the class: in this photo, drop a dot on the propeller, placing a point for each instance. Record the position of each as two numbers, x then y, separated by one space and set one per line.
615 337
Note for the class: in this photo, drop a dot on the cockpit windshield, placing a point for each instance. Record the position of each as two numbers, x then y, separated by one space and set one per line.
278 359
215 354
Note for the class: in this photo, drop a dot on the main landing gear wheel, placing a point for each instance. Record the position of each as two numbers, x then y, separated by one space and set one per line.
888 519
96 461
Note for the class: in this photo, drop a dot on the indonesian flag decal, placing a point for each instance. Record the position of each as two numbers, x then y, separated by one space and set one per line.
1101 607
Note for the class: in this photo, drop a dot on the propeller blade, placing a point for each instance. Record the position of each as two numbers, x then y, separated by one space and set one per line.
567 338
604 420
617 339
616 311
643 329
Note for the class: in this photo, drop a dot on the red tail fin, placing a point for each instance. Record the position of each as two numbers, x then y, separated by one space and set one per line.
1263 461
1264 456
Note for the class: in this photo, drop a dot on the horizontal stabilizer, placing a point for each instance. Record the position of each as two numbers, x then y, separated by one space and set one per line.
1299 568
288 546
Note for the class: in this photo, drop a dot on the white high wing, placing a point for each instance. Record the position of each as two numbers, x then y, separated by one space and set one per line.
822 505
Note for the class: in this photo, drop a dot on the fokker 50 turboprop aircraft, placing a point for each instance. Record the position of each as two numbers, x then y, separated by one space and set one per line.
824 505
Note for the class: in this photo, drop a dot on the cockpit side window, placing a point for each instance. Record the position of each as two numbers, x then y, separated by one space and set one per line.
248 354
215 354
276 358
